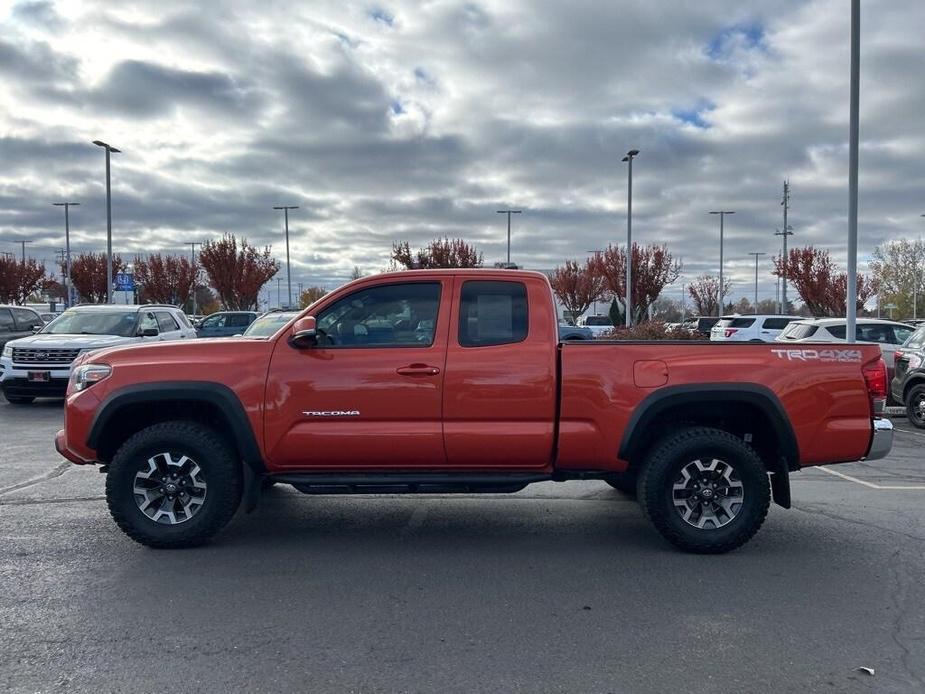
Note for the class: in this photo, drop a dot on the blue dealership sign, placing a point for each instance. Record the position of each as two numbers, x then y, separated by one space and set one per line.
125 282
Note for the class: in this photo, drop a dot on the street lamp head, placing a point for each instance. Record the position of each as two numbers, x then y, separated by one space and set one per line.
632 153
285 207
63 204
100 143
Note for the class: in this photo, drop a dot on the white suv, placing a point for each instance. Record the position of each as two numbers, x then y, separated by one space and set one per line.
887 333
749 328
40 365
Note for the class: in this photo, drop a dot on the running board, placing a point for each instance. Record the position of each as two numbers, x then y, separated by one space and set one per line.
409 482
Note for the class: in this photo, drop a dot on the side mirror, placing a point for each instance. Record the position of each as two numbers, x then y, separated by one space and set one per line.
304 333
149 332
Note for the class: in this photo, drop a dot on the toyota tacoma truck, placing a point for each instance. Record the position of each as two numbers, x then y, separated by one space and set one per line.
441 381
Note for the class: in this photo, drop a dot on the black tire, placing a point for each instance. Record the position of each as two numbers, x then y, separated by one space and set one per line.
220 469
914 413
676 453
623 482
19 399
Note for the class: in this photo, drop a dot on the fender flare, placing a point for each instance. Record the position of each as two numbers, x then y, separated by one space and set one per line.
221 396
760 396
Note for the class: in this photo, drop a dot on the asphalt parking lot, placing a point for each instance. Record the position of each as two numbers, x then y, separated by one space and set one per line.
559 588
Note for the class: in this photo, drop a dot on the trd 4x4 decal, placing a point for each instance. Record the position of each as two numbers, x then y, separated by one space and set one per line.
839 355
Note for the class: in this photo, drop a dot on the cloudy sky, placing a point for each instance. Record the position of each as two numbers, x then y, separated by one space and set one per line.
409 120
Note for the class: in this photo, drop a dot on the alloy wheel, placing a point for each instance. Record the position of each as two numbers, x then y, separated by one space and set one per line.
171 489
708 493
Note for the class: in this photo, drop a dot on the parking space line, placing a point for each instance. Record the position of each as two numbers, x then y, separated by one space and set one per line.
871 485
909 431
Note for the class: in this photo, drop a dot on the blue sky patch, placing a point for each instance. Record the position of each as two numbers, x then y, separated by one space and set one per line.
748 35
695 115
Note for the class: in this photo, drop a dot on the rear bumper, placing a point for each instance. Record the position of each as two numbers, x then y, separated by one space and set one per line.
882 440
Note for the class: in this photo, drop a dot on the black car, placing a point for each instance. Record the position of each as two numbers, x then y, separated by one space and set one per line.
16 322
908 384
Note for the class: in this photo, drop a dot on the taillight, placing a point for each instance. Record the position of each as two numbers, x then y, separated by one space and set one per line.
875 378
898 355
731 331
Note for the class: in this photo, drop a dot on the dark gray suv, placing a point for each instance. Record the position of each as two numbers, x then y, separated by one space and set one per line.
908 384
16 322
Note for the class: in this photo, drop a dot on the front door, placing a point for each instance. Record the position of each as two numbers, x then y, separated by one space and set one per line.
369 394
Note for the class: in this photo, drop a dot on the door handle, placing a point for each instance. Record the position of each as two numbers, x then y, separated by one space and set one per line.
417 370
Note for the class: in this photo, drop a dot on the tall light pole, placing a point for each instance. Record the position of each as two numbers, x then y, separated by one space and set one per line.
722 217
285 209
596 252
192 257
628 303
854 97
67 246
756 278
109 150
279 300
509 213
23 244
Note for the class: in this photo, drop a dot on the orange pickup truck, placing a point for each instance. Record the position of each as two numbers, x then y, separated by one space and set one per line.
442 381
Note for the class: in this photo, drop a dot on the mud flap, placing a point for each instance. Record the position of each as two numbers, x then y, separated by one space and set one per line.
253 484
780 485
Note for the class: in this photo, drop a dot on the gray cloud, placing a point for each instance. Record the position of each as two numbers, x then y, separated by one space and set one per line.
406 121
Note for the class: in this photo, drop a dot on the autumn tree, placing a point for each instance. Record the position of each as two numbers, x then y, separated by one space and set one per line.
88 274
577 287
164 279
820 283
310 296
356 273
19 279
439 253
237 270
653 269
899 271
704 292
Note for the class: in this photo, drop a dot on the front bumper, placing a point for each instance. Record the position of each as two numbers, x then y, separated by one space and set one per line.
24 388
882 440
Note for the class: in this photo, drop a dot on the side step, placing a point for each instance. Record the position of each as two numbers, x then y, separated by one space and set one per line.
409 482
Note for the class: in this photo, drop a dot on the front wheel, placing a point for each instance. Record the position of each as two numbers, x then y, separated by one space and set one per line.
915 406
705 490
173 484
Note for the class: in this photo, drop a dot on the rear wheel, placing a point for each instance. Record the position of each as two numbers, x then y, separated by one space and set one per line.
173 484
705 490
18 399
915 406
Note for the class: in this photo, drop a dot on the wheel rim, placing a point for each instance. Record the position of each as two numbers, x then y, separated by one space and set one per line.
918 408
708 493
171 489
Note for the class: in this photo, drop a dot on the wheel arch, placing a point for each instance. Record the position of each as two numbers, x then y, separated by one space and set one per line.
740 408
132 408
912 382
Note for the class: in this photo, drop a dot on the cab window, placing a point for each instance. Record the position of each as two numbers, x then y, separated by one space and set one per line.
492 313
393 315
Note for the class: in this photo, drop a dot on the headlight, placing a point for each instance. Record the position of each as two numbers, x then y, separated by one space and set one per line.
8 350
88 374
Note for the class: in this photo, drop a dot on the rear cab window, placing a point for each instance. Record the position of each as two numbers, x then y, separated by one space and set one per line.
799 331
493 313
776 323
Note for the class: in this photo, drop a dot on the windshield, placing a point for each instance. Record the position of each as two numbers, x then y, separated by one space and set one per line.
269 324
120 323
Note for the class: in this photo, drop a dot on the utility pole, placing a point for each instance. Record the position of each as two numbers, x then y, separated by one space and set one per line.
279 301
67 249
628 303
285 209
109 150
722 217
509 213
788 231
756 278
